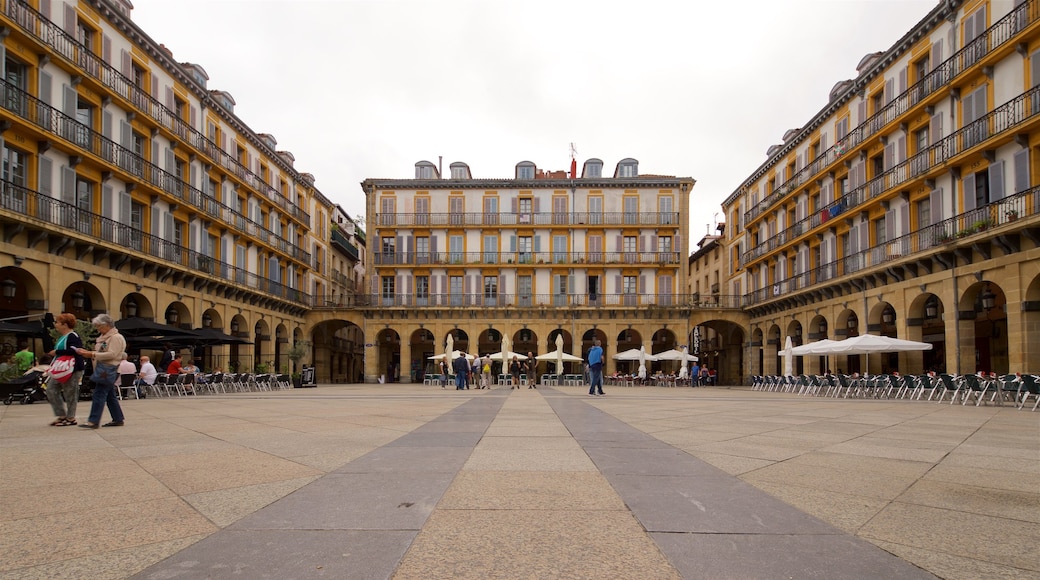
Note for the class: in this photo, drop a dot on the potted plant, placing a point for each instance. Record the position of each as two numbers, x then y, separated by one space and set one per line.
1011 214
296 353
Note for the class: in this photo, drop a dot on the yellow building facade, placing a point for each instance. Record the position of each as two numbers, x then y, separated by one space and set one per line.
527 259
130 187
907 206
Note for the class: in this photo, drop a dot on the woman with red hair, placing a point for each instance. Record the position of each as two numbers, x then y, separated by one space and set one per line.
66 371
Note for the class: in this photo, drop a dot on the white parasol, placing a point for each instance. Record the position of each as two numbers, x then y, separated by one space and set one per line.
449 347
788 353
684 371
559 356
642 362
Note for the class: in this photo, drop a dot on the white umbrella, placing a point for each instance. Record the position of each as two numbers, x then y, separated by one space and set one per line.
673 354
634 354
449 347
452 355
788 353
818 347
684 372
872 343
642 362
559 357
507 356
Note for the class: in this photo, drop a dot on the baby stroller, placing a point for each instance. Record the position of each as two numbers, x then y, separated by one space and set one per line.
29 389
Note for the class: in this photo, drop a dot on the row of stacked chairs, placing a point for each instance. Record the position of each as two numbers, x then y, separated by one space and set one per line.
184 385
1016 389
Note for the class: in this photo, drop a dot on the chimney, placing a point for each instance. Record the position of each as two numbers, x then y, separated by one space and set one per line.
574 168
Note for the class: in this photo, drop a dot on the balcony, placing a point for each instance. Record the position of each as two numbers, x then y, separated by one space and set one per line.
35 25
524 258
535 301
136 168
35 210
450 220
1004 121
997 36
340 240
968 228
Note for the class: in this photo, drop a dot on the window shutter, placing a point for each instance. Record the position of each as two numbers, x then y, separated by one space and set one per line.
935 127
537 244
46 169
996 181
642 284
618 285
937 54
512 243
536 204
168 226
156 218
70 20
935 201
515 204
620 244
69 101
1021 170
1034 70
853 240
193 235
901 150
902 80
45 89
68 184
155 87
890 155
823 142
904 220
864 237
124 208
890 225
107 202
191 110
889 90
968 185
861 113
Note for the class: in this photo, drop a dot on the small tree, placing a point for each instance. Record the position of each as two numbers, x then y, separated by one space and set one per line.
296 353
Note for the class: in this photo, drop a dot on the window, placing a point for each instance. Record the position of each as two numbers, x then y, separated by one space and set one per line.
422 290
842 130
387 211
422 211
525 245
628 290
593 168
85 120
974 27
84 204
490 290
179 170
924 213
559 249
973 110
525 170
524 289
559 290
136 224
14 173
490 210
455 249
628 246
921 68
422 250
87 37
596 210
559 215
490 249
628 168
631 206
14 92
880 232
389 290
457 210
593 287
664 247
596 249
389 249
666 215
455 293
524 209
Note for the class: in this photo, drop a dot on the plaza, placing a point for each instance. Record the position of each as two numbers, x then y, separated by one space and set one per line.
406 481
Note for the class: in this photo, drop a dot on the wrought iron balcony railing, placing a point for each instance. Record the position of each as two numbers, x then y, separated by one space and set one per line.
342 241
968 226
521 258
527 219
48 33
64 217
53 121
1000 34
540 301
1004 120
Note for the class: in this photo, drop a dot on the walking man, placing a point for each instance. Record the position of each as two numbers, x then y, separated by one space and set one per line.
595 368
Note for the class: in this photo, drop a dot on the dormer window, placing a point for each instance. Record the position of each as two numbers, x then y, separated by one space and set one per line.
425 170
593 168
627 168
525 170
460 170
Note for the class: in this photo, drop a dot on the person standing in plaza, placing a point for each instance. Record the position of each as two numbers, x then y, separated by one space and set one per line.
695 374
110 347
595 368
485 372
532 371
514 370
62 385
126 367
461 367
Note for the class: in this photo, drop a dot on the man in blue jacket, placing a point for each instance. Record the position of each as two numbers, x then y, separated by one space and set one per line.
595 368
461 367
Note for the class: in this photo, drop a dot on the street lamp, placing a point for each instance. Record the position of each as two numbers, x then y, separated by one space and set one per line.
131 308
9 288
78 298
171 315
888 316
989 300
931 308
207 320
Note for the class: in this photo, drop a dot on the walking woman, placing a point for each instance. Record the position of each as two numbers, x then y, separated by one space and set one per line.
66 371
110 347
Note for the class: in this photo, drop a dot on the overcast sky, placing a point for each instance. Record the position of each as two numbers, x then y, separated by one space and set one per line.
364 89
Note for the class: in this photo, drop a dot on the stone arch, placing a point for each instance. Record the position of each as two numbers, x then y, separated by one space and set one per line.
177 314
388 355
136 305
22 293
1028 327
982 325
83 300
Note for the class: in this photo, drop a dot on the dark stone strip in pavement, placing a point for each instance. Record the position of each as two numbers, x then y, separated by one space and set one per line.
711 524
356 522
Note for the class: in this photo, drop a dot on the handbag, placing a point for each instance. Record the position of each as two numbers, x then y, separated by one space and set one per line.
106 374
62 368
